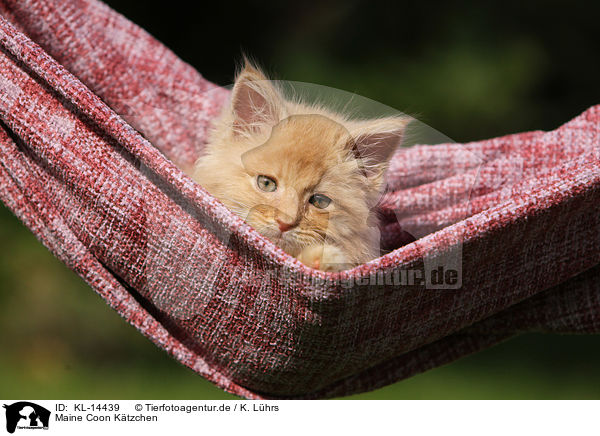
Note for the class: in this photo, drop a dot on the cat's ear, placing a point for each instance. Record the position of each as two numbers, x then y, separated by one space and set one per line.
255 103
375 141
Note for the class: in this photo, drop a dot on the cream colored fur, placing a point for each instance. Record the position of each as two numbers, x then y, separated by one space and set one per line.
306 149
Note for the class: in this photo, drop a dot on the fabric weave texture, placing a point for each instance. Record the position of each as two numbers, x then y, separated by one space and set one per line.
94 115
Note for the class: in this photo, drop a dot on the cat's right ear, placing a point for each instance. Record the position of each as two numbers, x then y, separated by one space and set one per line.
255 103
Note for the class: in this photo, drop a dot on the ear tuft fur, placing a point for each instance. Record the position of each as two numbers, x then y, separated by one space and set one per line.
375 141
255 102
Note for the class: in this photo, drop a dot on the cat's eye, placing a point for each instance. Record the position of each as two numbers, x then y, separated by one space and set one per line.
266 184
319 201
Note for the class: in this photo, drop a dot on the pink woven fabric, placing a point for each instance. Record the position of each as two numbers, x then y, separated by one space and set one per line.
89 103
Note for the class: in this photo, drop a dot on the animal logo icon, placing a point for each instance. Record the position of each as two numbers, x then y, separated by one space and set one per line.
26 415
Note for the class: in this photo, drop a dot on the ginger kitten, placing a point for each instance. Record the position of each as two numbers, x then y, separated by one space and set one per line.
305 177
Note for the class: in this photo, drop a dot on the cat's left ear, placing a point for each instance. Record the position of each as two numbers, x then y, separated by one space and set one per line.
375 141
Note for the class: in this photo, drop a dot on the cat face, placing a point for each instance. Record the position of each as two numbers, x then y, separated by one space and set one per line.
299 174
302 186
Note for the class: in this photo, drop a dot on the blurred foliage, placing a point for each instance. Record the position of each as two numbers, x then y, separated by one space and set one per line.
469 69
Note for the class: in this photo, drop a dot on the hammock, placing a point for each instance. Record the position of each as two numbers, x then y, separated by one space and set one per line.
83 95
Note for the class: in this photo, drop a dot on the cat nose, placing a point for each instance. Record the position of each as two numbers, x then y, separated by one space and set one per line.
283 226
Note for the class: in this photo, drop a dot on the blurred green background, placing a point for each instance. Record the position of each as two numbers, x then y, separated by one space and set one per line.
469 69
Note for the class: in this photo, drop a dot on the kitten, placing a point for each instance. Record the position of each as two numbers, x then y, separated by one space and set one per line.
303 176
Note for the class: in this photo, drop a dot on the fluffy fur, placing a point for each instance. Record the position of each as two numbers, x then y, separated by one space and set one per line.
307 150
